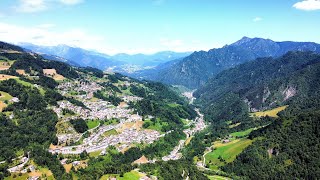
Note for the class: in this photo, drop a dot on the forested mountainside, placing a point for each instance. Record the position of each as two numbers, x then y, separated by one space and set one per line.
194 70
250 95
64 122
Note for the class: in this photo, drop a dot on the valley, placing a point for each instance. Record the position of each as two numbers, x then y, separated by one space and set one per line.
235 112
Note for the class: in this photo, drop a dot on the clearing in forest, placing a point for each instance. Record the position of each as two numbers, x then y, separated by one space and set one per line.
6 77
2 106
53 73
21 72
226 152
271 113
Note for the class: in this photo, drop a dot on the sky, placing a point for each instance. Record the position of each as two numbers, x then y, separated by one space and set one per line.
149 26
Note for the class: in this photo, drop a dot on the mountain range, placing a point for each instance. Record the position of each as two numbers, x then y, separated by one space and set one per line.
194 71
119 62
285 146
262 115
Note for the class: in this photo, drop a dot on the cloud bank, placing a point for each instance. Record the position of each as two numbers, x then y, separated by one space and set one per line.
308 5
32 6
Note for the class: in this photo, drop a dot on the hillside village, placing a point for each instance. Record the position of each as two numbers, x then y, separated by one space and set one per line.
110 124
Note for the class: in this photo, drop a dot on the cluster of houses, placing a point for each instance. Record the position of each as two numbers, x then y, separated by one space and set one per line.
96 110
98 142
175 154
199 125
21 167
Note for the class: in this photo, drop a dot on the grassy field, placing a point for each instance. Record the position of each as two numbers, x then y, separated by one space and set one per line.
5 96
242 133
234 125
94 154
173 105
17 177
110 132
156 126
41 90
271 113
133 175
216 177
92 123
226 152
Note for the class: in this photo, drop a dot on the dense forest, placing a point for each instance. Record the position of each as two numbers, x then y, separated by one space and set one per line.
32 127
286 147
150 105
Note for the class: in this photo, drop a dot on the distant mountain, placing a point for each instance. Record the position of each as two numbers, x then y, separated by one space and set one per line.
152 73
150 60
118 62
75 55
195 70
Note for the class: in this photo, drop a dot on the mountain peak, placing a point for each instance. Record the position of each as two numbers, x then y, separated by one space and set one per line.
243 40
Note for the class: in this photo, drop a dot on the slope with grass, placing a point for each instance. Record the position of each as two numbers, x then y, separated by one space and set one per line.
271 113
225 152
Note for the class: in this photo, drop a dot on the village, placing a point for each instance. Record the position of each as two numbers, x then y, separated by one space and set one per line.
127 131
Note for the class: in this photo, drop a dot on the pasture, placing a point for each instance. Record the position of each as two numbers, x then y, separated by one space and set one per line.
92 123
225 152
271 113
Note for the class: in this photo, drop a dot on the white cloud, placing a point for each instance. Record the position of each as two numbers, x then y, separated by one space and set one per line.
257 19
32 6
308 5
46 26
71 2
46 37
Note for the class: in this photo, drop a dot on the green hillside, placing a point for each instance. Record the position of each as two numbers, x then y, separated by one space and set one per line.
35 121
287 145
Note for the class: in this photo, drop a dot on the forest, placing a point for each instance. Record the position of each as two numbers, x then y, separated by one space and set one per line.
284 148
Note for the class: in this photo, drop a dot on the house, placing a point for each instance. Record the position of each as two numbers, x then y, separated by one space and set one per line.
15 99
225 141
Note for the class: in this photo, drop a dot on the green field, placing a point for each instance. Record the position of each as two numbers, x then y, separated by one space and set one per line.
92 123
133 175
94 154
226 153
41 90
110 132
156 126
242 133
17 177
173 105
5 96
216 177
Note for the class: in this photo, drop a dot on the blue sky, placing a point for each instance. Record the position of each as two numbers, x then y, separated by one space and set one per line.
148 26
